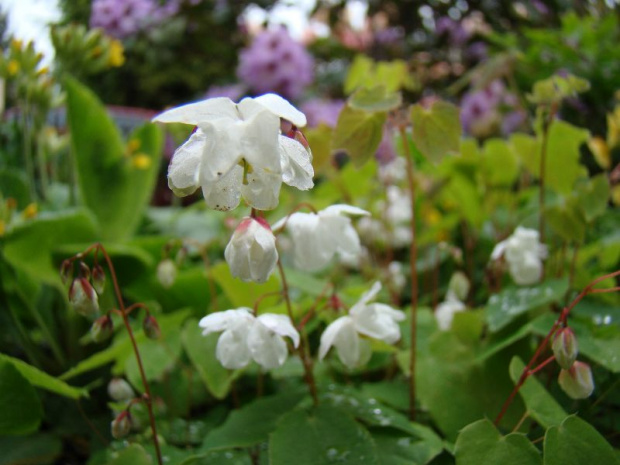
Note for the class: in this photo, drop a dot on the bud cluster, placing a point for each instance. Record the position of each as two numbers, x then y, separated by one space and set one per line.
83 294
575 378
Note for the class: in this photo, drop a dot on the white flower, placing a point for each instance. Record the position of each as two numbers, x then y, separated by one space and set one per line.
251 252
445 311
524 254
375 320
238 151
246 337
317 237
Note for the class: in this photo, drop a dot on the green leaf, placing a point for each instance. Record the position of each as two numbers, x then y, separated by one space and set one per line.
241 294
562 166
499 163
359 71
118 351
527 149
593 196
30 247
374 99
132 455
576 442
567 221
201 351
436 130
42 380
395 448
224 457
252 423
19 403
539 403
14 185
322 435
40 448
481 443
556 88
505 307
359 133
115 188
320 141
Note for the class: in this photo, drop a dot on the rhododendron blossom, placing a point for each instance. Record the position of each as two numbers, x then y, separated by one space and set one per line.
237 150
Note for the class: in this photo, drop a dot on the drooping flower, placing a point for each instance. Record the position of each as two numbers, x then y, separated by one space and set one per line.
246 337
445 311
577 381
317 237
374 320
524 254
238 151
251 252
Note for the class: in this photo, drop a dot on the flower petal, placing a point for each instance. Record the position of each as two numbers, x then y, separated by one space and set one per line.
332 333
262 190
365 298
220 321
297 170
232 350
339 209
267 348
224 194
280 324
200 112
184 169
374 321
283 108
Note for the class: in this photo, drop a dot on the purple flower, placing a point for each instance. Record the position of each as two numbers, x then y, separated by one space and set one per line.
231 91
490 109
455 32
274 62
386 151
321 111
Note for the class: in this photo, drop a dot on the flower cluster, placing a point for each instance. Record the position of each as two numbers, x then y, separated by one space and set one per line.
274 62
246 337
238 150
524 254
374 320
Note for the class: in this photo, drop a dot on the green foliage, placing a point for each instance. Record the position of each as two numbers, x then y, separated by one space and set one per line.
115 180
21 408
359 133
436 130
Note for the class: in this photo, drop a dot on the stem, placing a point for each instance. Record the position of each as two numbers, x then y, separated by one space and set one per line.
561 321
301 349
543 163
413 258
124 314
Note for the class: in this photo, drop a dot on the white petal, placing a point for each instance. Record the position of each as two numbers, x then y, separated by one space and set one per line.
526 271
184 169
444 313
232 350
262 190
200 112
331 334
283 108
349 347
224 194
348 241
338 209
312 249
297 170
375 322
280 324
262 255
259 141
220 321
498 250
267 348
366 297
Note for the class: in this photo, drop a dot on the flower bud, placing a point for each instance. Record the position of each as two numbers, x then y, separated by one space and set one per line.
577 381
251 253
565 348
151 327
166 273
102 328
98 279
121 425
83 298
84 270
66 271
119 390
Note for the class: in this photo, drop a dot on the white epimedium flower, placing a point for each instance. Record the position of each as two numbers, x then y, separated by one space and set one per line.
238 151
445 311
251 252
374 320
317 237
524 254
246 337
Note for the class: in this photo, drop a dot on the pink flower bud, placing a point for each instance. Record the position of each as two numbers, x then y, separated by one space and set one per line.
98 279
251 253
565 348
151 327
119 390
121 425
83 298
577 381
84 270
102 328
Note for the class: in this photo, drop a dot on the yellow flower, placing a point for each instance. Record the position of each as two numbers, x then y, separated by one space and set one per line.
141 161
13 67
132 146
30 211
116 56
